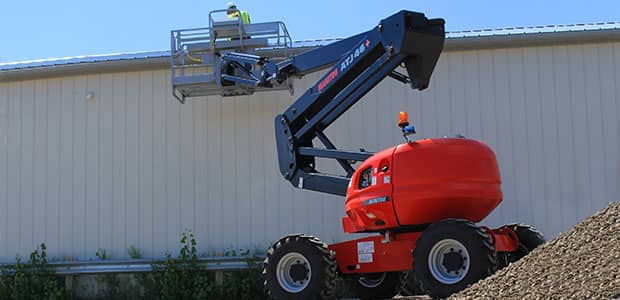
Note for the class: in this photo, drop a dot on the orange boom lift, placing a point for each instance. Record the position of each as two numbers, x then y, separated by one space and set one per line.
420 200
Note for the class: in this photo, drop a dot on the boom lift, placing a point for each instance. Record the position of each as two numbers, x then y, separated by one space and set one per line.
421 199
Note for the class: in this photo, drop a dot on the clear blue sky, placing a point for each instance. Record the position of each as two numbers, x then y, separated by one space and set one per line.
45 29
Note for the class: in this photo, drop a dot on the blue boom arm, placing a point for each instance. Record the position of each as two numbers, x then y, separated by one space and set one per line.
360 62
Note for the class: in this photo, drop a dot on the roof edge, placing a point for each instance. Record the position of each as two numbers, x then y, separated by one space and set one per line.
533 39
160 59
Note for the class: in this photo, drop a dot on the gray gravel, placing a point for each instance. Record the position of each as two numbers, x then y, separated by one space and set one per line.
583 263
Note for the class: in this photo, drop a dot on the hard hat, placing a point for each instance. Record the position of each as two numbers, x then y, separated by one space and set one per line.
231 5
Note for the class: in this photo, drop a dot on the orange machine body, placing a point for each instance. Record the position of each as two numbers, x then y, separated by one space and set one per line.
422 182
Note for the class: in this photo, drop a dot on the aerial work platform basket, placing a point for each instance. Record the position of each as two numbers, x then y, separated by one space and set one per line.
195 54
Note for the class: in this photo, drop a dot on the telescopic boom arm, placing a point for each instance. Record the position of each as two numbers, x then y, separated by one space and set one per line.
405 39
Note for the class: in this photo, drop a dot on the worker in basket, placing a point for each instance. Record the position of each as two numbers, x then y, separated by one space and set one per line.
233 12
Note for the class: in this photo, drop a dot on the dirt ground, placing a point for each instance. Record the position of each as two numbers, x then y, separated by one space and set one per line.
583 263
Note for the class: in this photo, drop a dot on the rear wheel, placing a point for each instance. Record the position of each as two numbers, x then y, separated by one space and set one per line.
377 285
452 254
528 236
299 267
529 239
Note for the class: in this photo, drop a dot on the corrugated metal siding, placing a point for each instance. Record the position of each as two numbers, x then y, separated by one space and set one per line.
134 167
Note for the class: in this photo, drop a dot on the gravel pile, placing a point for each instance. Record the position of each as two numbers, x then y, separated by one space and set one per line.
583 263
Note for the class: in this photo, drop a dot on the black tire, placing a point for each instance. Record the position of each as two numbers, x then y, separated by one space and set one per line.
528 236
376 285
442 252
529 239
307 268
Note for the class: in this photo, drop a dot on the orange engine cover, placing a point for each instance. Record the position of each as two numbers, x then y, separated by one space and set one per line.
423 182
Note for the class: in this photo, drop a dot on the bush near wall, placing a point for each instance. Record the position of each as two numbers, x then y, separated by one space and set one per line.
32 280
178 277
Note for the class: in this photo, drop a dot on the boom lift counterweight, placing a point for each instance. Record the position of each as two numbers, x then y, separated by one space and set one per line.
421 197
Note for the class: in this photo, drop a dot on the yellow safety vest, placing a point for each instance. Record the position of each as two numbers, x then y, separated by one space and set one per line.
245 16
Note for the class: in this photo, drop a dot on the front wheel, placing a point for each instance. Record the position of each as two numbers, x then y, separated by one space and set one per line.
376 285
299 267
452 254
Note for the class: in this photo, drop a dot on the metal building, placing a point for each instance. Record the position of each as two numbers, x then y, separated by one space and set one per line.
95 152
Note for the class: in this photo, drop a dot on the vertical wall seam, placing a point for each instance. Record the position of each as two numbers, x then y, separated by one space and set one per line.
139 158
542 122
235 165
591 164
494 101
475 63
194 227
73 162
617 99
113 167
8 121
59 159
558 146
125 154
165 121
32 161
179 167
264 173
250 163
562 184
221 152
588 137
99 172
601 118
527 137
20 151
46 189
483 132
435 110
86 173
59 164
450 94
152 103
572 114
511 118
464 95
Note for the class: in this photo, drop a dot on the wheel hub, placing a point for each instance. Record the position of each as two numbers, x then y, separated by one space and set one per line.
453 261
299 272
293 272
448 261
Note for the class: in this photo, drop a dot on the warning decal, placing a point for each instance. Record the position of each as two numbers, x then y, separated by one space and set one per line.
365 251
366 247
364 258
